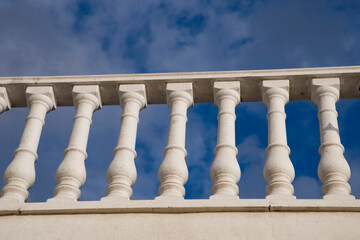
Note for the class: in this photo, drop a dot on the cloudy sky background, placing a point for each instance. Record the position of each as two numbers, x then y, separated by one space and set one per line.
109 37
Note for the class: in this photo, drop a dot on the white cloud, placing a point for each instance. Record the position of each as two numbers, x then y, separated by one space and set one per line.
252 158
307 187
250 152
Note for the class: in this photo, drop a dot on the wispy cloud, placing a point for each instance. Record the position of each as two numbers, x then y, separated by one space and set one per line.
251 159
307 187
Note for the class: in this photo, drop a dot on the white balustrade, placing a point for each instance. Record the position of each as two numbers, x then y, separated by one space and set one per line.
173 172
278 170
71 174
333 170
179 91
4 100
20 174
121 174
225 170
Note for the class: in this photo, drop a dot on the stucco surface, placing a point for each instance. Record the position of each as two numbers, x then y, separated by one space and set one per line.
231 225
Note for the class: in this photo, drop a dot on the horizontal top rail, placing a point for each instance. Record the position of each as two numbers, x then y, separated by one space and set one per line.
300 84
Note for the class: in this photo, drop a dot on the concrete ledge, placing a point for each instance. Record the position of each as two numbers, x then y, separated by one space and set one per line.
184 219
315 205
147 206
182 206
9 206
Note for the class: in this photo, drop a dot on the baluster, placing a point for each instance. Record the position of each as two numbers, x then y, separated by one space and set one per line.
333 170
4 100
20 174
225 171
278 170
173 172
71 174
121 174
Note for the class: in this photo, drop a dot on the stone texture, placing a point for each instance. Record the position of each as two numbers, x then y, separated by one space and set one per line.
333 170
300 84
20 174
279 216
122 174
173 172
4 100
234 225
225 170
71 174
278 170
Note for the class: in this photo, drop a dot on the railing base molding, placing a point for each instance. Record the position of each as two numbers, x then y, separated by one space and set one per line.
188 219
184 206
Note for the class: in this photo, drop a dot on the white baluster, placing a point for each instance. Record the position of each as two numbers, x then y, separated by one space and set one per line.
333 170
20 174
4 100
173 172
71 174
225 171
121 174
278 170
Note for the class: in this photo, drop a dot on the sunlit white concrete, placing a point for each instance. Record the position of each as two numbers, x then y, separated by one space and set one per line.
278 170
225 170
4 100
333 171
173 172
71 174
20 174
121 174
278 216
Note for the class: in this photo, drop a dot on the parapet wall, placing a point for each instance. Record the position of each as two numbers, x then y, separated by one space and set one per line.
186 219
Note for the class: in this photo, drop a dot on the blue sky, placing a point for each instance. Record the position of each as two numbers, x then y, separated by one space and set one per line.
108 37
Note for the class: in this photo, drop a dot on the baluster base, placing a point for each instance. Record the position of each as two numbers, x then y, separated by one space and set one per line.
114 199
60 199
169 198
280 196
223 197
338 196
69 194
9 204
